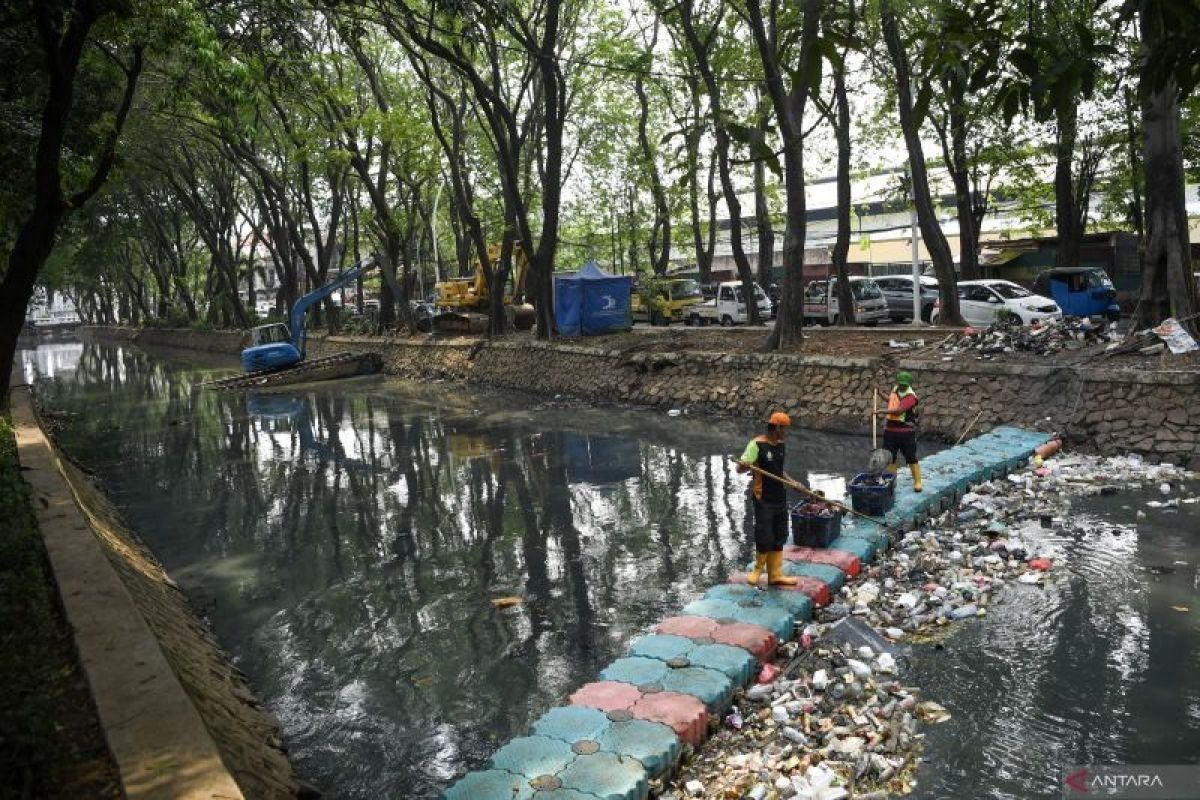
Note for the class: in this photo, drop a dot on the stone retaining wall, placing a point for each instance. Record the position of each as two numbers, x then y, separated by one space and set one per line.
1096 409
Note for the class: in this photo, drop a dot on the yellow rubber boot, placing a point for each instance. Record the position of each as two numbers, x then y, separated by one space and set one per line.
760 561
775 576
915 469
891 468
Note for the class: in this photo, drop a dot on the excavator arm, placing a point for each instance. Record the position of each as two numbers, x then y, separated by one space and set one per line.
301 307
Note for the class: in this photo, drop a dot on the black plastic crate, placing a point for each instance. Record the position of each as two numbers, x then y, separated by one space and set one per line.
815 524
873 495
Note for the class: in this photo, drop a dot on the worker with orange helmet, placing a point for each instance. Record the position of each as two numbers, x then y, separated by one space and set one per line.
767 452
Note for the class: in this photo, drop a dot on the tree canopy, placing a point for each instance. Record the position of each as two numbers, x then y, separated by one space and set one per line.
169 160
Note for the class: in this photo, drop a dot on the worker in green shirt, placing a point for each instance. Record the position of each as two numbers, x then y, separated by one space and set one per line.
767 452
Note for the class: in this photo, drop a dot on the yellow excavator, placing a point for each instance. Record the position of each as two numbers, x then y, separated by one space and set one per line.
463 303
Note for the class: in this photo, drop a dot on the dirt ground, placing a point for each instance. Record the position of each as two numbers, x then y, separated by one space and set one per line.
926 344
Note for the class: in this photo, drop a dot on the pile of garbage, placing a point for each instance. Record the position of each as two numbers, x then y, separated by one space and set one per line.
1170 335
1008 335
844 724
815 508
837 721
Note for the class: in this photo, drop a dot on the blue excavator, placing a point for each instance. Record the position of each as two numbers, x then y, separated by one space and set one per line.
276 355
274 346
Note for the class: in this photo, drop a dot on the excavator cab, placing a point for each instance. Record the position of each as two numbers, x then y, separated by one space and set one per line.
270 348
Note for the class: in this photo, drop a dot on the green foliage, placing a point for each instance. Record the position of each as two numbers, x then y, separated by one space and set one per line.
280 117
1174 28
1057 60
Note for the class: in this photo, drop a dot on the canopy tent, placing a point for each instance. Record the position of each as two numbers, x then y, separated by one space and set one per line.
592 301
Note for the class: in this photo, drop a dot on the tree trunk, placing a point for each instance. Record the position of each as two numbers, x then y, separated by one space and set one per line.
762 220
703 252
841 246
63 35
703 237
721 134
29 252
931 231
659 246
789 110
1136 174
1168 286
1066 215
956 159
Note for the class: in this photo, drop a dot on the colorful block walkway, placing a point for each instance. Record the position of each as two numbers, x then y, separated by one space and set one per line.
629 726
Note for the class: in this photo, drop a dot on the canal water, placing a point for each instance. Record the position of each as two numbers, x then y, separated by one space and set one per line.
346 542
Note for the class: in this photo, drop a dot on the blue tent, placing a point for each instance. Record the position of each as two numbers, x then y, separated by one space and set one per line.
592 301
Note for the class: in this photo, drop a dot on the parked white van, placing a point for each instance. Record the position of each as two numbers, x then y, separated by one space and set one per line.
821 305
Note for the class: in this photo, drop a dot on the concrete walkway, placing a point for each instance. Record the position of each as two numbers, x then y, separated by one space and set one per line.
157 738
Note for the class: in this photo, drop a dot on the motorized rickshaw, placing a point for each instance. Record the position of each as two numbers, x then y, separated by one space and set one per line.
1079 291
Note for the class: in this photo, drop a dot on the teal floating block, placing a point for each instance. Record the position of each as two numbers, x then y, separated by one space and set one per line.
830 575
797 604
862 548
490 784
710 687
578 753
563 794
606 776
735 662
776 620
532 756
875 534
571 723
652 743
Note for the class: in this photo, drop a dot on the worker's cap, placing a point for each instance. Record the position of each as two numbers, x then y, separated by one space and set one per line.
904 378
779 420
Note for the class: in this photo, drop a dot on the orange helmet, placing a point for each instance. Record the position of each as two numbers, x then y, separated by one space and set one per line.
780 420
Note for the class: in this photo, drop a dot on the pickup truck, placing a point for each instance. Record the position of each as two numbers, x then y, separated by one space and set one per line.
821 308
668 302
728 307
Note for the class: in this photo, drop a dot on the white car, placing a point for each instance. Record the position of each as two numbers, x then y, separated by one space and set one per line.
980 300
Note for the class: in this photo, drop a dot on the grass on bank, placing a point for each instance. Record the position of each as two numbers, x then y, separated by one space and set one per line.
51 743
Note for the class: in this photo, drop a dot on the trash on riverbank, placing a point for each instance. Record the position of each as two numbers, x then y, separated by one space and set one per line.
840 721
1009 336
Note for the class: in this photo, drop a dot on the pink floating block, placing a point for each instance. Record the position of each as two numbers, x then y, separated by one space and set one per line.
756 640
606 695
846 562
689 626
759 641
817 590
682 713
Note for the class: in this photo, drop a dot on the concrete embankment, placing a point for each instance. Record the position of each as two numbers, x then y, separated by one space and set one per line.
1094 408
179 718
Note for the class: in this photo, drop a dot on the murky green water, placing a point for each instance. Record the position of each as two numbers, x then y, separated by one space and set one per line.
346 542
1100 667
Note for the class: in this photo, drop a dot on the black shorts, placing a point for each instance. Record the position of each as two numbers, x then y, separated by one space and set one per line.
904 442
770 526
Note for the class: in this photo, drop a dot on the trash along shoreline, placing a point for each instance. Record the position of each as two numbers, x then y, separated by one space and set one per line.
834 717
1105 405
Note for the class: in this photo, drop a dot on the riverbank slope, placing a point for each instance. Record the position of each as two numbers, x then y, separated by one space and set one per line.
1096 407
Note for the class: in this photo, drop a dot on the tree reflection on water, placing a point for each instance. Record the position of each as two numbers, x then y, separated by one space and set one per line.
345 541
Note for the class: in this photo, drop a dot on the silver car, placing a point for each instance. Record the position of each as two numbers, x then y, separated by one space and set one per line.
898 291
